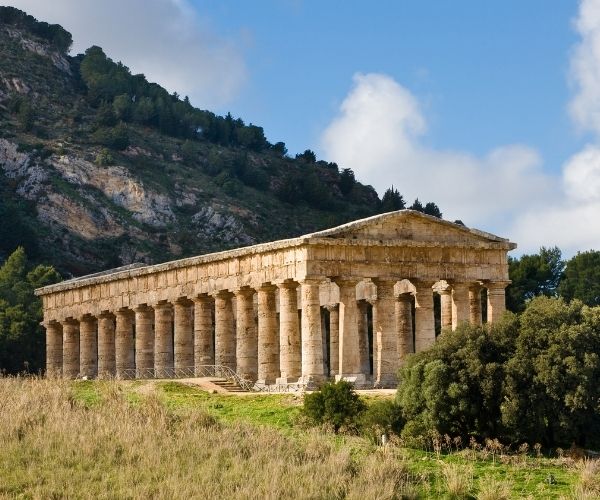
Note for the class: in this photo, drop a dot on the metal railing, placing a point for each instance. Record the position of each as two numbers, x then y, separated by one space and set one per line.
217 371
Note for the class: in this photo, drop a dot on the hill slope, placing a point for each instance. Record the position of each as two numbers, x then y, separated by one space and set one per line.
100 168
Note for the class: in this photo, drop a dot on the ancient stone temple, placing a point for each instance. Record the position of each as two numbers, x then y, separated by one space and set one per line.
349 302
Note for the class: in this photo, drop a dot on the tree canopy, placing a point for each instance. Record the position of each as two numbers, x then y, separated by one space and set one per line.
581 278
22 346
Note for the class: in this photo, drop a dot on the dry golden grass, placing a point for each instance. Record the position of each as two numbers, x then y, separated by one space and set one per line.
458 479
494 489
53 446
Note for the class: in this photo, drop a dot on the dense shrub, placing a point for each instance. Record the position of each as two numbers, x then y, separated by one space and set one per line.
335 404
380 417
530 378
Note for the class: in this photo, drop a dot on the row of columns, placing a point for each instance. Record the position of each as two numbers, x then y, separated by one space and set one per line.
166 337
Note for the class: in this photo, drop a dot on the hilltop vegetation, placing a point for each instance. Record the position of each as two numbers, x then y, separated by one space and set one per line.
100 167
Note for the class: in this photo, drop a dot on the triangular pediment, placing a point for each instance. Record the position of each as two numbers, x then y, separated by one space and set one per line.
408 225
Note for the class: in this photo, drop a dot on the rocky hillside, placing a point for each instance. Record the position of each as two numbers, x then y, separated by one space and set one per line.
100 168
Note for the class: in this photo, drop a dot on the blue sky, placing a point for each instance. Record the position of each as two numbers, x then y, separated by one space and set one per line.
489 73
489 108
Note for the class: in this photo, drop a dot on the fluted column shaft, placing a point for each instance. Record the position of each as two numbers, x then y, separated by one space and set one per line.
204 349
404 327
334 339
163 340
247 350
475 304
446 308
268 336
424 318
385 365
496 305
224 331
70 348
54 349
289 333
184 334
124 346
312 339
362 324
350 361
106 345
144 340
88 347
460 304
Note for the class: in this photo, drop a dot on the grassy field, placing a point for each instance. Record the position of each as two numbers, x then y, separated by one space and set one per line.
169 440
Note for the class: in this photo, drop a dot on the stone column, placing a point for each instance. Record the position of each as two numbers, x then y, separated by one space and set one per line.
124 346
446 308
404 327
385 364
70 348
268 336
144 341
312 339
204 348
88 347
334 338
475 304
247 350
184 336
289 334
460 304
424 319
496 305
54 349
163 340
350 362
224 330
362 323
106 345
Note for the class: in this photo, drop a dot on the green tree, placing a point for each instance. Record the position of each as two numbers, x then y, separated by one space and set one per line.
581 279
347 181
417 205
21 336
392 200
308 156
551 392
432 209
533 275
335 404
455 386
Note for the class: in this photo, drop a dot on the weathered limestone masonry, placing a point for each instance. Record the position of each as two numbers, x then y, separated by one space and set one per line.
349 302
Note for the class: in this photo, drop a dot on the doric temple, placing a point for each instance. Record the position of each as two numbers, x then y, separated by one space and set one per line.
349 302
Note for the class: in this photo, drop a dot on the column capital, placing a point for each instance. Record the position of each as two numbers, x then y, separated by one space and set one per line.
162 305
244 291
106 315
87 317
221 294
496 285
345 281
288 284
142 308
266 287
202 298
311 281
125 311
182 301
69 321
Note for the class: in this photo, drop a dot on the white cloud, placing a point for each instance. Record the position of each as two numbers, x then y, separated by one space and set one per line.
573 221
379 130
164 39
378 134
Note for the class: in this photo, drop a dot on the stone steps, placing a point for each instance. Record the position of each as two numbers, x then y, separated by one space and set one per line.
228 385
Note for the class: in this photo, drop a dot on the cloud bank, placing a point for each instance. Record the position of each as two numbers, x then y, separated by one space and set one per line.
164 39
379 133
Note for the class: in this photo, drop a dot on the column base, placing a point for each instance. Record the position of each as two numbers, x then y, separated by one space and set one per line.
386 382
358 380
311 381
287 380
